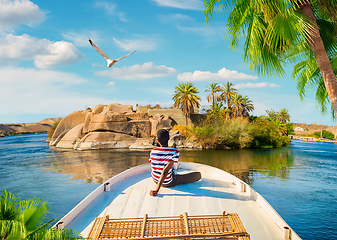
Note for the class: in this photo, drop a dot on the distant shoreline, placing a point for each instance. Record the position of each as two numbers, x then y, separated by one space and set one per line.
27 128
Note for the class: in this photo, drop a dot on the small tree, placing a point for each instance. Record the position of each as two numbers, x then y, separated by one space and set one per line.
185 96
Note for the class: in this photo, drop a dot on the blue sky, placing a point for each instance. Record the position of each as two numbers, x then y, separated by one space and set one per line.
49 69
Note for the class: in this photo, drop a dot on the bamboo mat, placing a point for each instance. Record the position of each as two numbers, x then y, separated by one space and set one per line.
225 226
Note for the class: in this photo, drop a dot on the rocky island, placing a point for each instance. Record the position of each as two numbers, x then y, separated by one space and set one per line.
112 126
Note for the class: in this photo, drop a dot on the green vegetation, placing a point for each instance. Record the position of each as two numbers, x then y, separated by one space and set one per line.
52 130
325 134
277 33
19 133
228 124
266 133
282 119
213 96
215 131
27 219
185 96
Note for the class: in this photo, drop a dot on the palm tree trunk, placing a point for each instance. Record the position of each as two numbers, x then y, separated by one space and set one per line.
213 101
316 43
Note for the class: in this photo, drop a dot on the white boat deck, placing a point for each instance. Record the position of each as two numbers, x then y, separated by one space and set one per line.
216 192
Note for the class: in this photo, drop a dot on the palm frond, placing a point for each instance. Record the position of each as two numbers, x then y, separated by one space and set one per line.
34 213
12 230
9 206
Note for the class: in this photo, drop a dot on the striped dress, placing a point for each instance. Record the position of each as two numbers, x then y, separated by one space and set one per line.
159 157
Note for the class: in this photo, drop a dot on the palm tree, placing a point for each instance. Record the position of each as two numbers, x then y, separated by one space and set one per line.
247 106
213 97
218 106
236 105
241 106
27 220
185 97
277 32
228 92
308 75
284 116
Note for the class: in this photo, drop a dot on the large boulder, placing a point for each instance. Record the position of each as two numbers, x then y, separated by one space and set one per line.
71 137
176 139
98 109
68 122
104 140
117 108
141 129
159 121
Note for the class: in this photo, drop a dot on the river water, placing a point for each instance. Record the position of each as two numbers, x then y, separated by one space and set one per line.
299 181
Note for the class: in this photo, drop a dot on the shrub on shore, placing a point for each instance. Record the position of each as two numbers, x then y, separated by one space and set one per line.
52 130
217 131
265 133
184 130
325 134
229 133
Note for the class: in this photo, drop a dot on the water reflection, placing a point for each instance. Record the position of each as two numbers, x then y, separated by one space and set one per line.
94 166
245 163
99 166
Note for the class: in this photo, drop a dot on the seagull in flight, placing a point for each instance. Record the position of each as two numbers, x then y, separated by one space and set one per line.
111 62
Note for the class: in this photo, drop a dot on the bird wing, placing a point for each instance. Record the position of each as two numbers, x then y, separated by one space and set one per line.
99 50
126 55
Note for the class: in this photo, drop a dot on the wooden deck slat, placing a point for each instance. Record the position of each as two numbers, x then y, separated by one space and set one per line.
97 227
226 226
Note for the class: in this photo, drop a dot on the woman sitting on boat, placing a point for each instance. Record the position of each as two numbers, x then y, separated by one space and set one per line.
162 159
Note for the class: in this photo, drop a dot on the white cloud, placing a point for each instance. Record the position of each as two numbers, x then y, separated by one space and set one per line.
182 4
46 54
80 39
255 85
222 75
138 72
111 83
110 8
19 12
145 44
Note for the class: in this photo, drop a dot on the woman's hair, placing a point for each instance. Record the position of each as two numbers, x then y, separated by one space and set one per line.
163 136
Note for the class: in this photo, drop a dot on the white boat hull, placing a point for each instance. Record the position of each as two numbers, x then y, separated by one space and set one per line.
127 196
